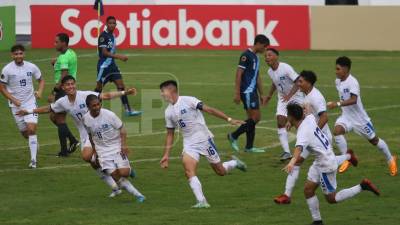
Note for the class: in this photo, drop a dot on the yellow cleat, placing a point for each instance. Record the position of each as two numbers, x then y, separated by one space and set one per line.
345 165
393 166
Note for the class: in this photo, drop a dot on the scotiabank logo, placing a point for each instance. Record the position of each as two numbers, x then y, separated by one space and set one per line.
177 26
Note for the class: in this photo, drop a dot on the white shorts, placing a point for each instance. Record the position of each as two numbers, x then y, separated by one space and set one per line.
21 121
113 162
366 130
327 181
205 148
281 106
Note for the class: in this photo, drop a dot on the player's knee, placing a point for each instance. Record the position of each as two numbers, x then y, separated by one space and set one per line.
25 134
189 173
124 172
374 140
87 156
339 130
308 192
331 198
220 172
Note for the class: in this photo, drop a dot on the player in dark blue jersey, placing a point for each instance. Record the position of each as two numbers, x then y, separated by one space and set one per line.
107 70
248 89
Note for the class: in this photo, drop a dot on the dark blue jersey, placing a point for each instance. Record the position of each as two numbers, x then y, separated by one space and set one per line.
106 40
249 62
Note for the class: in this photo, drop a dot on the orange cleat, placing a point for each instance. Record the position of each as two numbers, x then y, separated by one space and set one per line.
345 165
282 199
393 166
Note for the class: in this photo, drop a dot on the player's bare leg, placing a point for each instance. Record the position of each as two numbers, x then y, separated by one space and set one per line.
312 201
224 168
124 99
121 175
283 137
383 147
30 134
291 180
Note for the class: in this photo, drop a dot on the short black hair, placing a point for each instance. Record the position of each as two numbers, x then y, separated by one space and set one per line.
111 18
262 39
309 76
295 110
91 98
273 50
67 78
63 37
168 83
344 61
17 47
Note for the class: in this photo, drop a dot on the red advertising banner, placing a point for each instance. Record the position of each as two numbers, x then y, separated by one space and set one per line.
175 26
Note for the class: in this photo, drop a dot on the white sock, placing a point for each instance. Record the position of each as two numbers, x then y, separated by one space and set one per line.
291 180
313 205
347 193
283 138
383 147
229 165
107 179
33 146
341 143
125 184
341 158
196 188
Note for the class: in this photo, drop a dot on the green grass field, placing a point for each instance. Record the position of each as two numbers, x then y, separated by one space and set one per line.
67 191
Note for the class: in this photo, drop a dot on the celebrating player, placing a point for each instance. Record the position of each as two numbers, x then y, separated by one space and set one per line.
283 79
185 112
107 70
74 103
248 88
323 170
17 87
108 134
354 117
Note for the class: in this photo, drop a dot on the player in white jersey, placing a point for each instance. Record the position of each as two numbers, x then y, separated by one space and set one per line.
354 117
74 103
16 84
315 104
108 135
283 79
323 170
185 112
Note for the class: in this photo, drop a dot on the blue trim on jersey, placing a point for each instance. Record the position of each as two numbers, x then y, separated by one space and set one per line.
212 144
247 100
253 82
370 126
327 184
104 65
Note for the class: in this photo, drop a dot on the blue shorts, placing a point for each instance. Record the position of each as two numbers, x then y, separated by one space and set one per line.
108 74
250 100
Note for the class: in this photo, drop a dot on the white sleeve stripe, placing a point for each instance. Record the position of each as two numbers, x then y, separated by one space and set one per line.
243 67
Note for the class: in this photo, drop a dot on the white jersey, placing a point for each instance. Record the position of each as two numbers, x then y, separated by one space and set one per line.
284 78
186 115
311 138
18 80
315 101
105 132
355 112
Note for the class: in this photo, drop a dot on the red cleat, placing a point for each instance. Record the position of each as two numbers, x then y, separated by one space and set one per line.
353 158
367 185
282 199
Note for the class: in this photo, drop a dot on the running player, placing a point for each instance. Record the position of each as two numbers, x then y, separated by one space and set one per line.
323 170
283 79
249 90
315 104
108 135
107 70
354 117
74 103
185 112
17 87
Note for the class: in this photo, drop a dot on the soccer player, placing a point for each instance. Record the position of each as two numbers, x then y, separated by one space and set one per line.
16 84
107 70
74 103
283 79
323 170
108 135
354 117
185 112
249 90
315 104
65 64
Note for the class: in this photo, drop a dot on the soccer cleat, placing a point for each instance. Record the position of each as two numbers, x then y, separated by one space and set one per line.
367 185
32 164
140 199
353 158
62 154
254 150
345 165
317 222
201 205
285 156
73 147
393 166
240 164
233 143
115 193
133 113
282 199
132 174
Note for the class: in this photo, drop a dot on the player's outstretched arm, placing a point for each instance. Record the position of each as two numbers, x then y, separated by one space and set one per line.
40 110
124 145
220 114
293 91
351 101
260 89
8 95
169 140
296 156
323 119
116 94
238 80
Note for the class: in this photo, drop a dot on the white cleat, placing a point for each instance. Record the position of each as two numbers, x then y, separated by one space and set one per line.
32 165
115 193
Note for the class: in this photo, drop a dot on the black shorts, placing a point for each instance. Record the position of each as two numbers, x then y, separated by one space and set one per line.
250 100
59 94
108 74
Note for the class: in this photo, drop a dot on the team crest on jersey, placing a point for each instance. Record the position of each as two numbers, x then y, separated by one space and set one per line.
29 74
282 78
183 111
243 59
346 90
101 39
81 106
104 126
